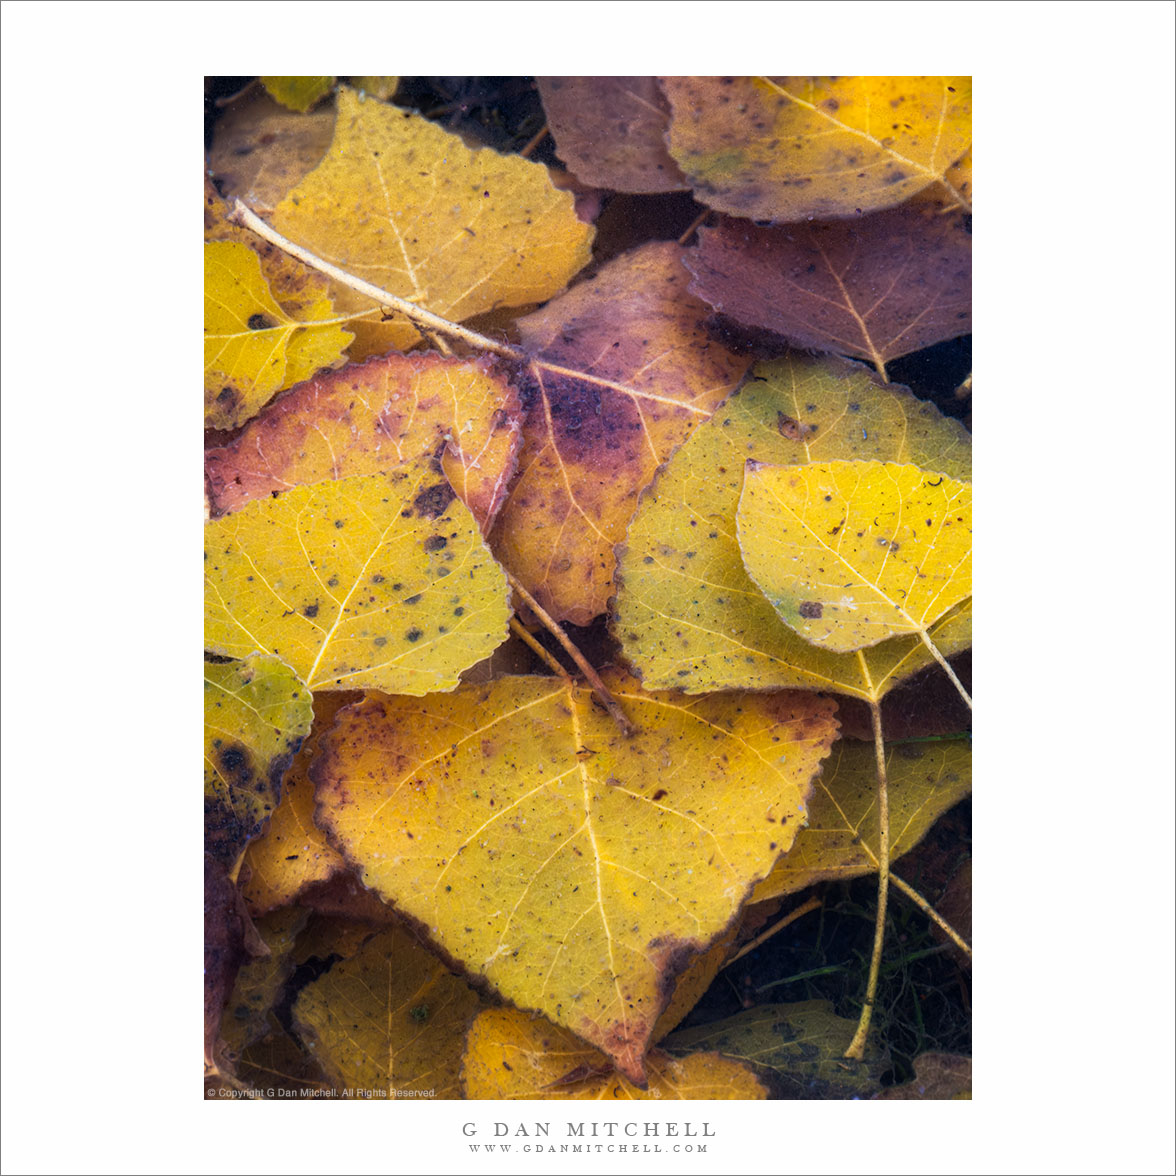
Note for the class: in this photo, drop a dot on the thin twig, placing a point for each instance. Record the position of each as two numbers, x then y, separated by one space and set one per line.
932 914
244 215
946 667
694 225
813 904
857 1047
601 690
538 138
545 656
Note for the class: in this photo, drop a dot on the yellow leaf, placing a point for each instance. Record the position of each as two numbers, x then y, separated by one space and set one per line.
379 581
378 415
256 714
840 840
379 87
252 347
687 613
390 1021
299 93
693 983
851 553
576 870
512 1056
407 206
790 149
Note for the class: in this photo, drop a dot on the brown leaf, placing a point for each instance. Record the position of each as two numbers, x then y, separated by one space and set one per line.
875 288
611 131
623 373
938 1076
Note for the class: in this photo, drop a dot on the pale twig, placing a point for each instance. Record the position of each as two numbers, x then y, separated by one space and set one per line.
545 656
931 913
599 688
694 224
946 667
813 904
244 215
540 135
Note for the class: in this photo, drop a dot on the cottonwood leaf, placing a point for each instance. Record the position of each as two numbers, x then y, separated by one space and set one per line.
252 347
299 93
624 370
687 614
407 206
851 553
576 870
293 852
876 288
840 840
787 149
378 415
390 1019
938 1076
803 1046
610 131
510 1055
256 714
376 581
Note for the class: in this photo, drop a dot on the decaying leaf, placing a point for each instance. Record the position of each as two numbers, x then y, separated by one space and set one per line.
938 1076
378 580
293 852
389 1022
378 415
786 149
802 1044
875 288
252 347
276 1063
687 614
611 131
694 982
840 840
406 205
624 370
576 870
851 553
256 714
298 93
510 1055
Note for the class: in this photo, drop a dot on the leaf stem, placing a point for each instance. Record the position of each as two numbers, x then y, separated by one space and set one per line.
599 688
813 904
857 1047
946 668
528 639
244 215
932 914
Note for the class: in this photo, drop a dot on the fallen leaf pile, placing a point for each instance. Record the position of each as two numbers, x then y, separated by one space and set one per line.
441 861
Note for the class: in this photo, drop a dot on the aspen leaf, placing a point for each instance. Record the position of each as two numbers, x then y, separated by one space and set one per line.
786 149
407 206
623 372
576 870
252 347
391 1019
293 852
938 1076
851 553
299 93
802 1045
378 87
276 1064
378 415
510 1055
610 131
693 983
256 714
687 614
840 841
875 288
378 580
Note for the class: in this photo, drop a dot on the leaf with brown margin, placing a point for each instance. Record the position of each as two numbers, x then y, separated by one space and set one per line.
840 840
378 415
276 1063
801 1046
510 1055
252 347
693 983
938 1076
404 204
298 93
577 871
786 149
611 132
852 553
256 714
293 852
374 581
260 149
623 371
391 1018
687 613
875 288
